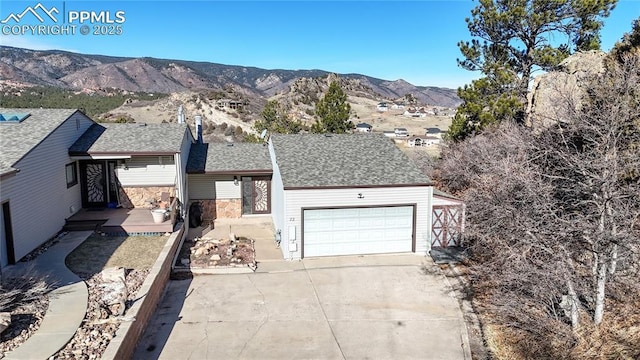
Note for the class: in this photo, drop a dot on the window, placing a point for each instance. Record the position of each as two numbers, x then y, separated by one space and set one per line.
72 174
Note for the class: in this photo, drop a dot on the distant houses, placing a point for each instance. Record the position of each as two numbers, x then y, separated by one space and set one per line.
363 127
382 107
419 112
231 104
423 140
397 133
434 131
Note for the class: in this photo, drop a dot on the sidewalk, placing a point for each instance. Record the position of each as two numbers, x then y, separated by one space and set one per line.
67 303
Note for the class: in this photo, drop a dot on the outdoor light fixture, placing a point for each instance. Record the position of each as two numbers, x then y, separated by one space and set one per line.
235 180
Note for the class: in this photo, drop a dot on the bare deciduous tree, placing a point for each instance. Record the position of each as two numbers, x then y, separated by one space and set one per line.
554 215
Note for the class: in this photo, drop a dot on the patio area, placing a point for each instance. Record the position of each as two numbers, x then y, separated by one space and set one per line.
119 221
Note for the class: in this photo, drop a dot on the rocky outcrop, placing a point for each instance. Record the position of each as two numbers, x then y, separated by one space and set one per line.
5 321
566 85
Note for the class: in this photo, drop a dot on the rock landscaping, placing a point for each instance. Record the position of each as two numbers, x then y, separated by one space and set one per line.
24 321
202 253
111 293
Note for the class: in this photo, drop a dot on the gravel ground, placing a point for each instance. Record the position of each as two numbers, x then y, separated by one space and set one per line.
94 335
25 321
100 325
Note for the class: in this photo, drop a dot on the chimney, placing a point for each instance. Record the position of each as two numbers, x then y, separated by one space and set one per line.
180 115
199 128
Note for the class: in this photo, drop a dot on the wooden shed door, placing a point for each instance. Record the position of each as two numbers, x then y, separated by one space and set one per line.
447 226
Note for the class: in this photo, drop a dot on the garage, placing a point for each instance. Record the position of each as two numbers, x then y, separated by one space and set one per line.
360 230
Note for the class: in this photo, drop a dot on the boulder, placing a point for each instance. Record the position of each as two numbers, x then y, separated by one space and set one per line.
566 84
202 251
114 289
5 321
113 274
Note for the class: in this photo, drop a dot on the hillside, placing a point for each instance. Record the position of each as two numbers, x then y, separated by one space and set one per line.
94 72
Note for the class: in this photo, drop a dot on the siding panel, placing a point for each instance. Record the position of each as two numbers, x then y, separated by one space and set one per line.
40 199
148 171
226 189
181 159
278 200
201 187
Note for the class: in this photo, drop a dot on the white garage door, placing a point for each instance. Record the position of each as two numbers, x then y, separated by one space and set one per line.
355 231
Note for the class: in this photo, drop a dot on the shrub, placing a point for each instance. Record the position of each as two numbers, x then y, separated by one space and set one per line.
20 288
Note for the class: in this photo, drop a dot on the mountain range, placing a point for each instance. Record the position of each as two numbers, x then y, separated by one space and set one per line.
94 72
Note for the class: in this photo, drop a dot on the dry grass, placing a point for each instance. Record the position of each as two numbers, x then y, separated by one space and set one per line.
19 289
100 252
618 337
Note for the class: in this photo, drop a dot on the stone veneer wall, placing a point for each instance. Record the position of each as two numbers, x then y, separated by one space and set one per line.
208 209
228 208
134 197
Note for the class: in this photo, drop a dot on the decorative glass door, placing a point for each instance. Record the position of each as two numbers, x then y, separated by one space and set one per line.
97 188
256 195
94 189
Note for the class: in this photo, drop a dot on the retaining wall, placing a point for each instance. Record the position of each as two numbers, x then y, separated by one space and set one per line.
123 345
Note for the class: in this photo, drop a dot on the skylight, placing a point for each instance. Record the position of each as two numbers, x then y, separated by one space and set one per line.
13 117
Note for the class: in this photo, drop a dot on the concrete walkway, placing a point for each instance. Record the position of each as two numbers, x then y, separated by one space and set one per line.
67 303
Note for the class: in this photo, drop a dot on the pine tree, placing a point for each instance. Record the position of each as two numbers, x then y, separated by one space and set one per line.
276 120
511 40
333 111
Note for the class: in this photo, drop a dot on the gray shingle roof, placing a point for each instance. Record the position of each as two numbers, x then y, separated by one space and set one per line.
130 139
346 160
17 139
222 158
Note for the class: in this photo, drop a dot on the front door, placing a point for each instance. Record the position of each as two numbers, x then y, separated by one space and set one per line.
256 195
98 188
93 184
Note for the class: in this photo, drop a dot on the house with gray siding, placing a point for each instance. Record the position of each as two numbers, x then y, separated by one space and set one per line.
39 180
56 162
132 165
327 194
348 194
230 180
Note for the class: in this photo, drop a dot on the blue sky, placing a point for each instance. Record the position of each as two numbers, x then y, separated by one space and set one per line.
414 40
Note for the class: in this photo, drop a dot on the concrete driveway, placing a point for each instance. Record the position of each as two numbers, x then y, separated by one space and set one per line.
374 307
